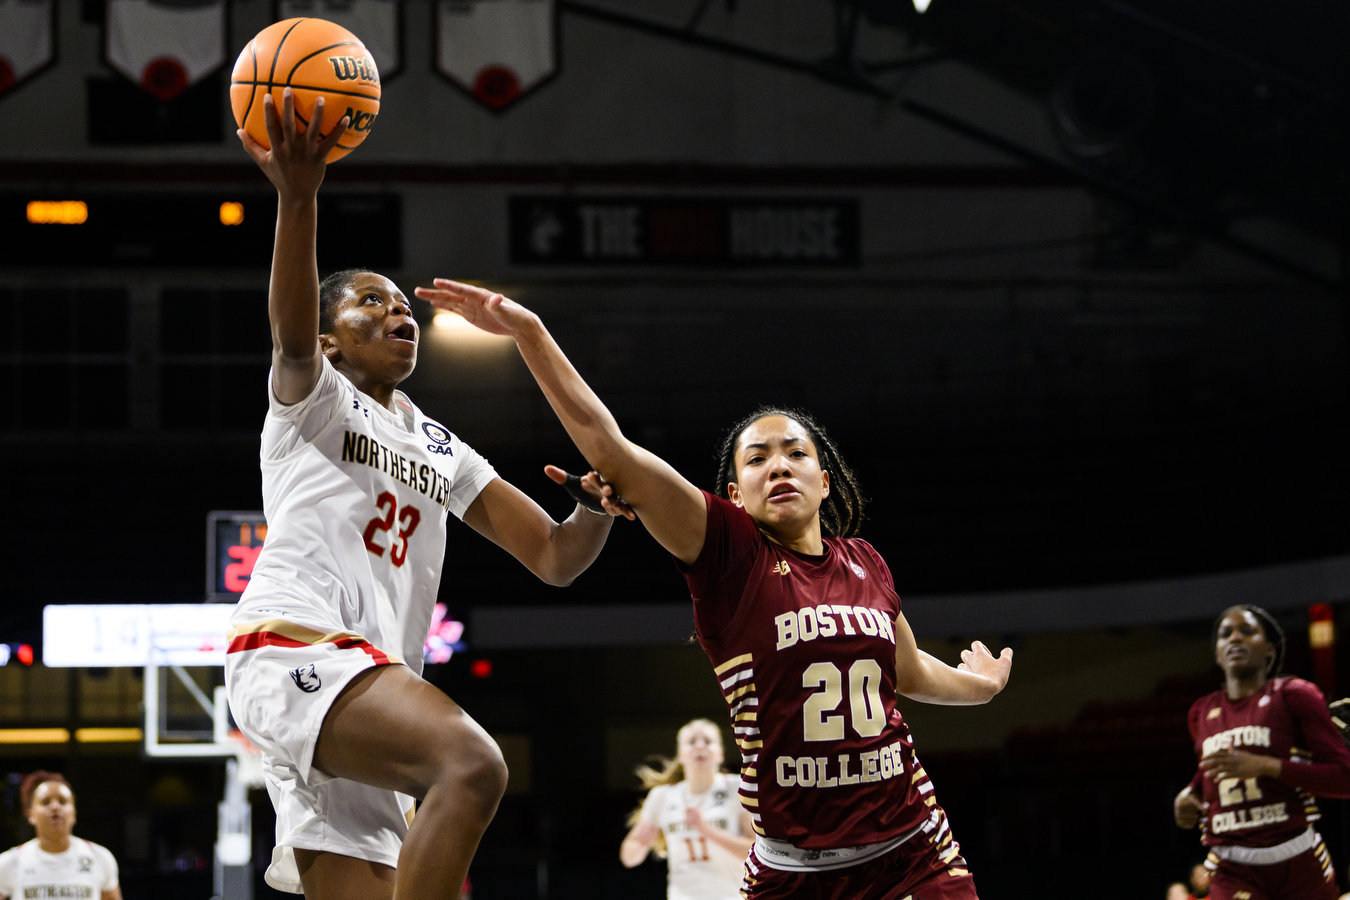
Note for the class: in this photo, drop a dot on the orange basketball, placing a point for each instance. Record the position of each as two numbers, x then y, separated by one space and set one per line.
314 58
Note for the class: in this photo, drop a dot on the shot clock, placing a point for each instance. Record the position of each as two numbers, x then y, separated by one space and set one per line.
233 542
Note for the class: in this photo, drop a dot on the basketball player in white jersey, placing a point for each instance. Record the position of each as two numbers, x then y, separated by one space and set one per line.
56 863
693 815
326 644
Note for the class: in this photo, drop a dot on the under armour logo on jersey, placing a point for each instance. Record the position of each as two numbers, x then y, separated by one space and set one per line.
781 568
857 570
85 863
1213 713
1264 701
306 679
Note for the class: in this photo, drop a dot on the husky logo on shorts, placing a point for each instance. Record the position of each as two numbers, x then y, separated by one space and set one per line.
306 679
440 438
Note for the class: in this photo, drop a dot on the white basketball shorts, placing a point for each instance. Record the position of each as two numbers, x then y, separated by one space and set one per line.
282 677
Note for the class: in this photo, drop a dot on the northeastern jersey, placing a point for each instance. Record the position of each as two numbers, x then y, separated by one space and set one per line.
699 868
804 652
356 498
1286 719
81 872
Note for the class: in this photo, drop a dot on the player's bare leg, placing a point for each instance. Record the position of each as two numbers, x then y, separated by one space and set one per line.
335 877
391 729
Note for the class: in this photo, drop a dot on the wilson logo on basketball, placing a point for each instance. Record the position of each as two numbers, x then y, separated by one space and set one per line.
354 68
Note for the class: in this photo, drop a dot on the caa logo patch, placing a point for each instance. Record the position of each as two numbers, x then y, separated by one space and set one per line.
440 438
306 679
857 570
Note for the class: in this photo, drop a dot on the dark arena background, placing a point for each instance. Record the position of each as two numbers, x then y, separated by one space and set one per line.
1066 280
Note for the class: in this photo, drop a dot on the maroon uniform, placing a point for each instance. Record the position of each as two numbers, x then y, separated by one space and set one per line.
1258 827
804 650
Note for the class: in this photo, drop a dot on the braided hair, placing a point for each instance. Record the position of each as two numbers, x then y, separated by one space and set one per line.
1273 632
841 512
331 291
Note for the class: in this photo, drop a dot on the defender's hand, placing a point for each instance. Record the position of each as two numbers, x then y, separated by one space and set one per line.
481 308
594 484
980 661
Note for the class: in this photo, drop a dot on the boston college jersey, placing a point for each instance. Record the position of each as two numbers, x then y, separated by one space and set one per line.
1287 719
356 498
699 868
82 872
804 651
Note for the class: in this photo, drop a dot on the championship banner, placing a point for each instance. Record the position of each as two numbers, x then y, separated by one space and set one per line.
378 23
27 40
167 46
497 50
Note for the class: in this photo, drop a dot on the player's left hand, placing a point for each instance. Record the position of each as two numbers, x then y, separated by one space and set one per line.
595 485
980 661
480 307
1239 764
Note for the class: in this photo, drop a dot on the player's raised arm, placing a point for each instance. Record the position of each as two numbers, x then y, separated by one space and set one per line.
295 164
670 507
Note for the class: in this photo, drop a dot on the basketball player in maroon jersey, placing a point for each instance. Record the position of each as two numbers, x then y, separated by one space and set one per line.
803 627
1267 746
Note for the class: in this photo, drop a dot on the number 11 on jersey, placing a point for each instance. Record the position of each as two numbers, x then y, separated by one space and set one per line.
693 854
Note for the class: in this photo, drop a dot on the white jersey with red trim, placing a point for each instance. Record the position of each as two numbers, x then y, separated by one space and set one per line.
356 498
699 868
81 872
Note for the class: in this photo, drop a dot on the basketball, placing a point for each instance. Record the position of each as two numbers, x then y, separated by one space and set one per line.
314 58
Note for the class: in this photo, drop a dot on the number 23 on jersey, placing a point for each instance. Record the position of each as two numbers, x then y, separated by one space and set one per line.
407 520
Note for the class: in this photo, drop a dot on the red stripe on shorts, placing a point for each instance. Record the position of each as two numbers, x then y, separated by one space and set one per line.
362 644
256 639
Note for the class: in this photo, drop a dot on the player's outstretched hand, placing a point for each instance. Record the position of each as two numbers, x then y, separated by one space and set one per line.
296 162
1188 809
981 662
597 488
480 307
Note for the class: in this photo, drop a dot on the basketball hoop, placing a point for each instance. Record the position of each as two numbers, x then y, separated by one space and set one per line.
248 758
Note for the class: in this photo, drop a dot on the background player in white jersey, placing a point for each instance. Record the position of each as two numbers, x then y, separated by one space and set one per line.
55 863
325 646
693 816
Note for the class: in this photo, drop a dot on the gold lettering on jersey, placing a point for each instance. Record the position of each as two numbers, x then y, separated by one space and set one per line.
364 450
781 568
811 622
1243 736
826 772
1240 819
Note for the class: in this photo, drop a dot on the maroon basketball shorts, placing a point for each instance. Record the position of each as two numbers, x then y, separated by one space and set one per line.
1307 876
922 868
